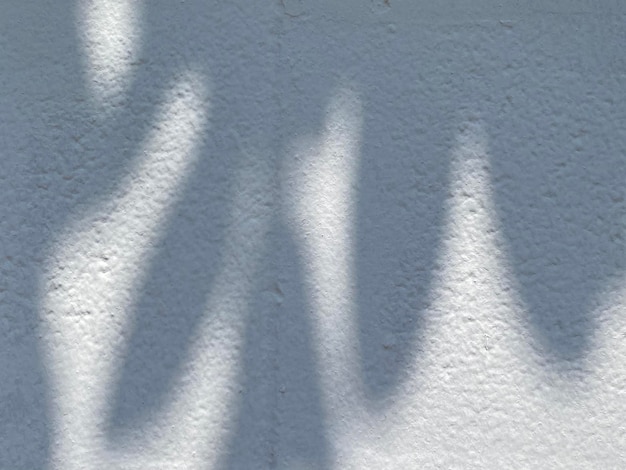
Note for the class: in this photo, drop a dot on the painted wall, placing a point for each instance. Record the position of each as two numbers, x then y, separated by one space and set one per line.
293 235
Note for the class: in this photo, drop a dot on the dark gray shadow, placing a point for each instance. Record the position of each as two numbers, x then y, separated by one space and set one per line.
557 175
413 94
301 417
251 426
172 299
61 156
36 46
403 184
558 157
279 412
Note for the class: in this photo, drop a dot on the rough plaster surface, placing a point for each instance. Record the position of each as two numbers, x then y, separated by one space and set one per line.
301 235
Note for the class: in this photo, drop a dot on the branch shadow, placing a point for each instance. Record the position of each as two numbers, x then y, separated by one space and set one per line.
171 300
280 411
559 169
28 53
557 183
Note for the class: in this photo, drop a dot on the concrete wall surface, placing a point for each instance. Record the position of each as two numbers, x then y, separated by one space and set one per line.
385 234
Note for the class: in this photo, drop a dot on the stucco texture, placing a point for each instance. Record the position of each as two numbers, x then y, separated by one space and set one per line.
301 235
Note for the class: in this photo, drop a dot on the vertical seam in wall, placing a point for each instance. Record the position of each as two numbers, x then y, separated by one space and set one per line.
274 316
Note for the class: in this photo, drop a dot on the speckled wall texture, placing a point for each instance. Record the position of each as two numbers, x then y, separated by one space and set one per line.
382 234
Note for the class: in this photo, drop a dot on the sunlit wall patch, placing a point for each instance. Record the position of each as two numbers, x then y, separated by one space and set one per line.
110 32
319 196
98 261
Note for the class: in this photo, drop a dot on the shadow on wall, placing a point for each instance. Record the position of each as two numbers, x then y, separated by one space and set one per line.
557 157
31 124
559 167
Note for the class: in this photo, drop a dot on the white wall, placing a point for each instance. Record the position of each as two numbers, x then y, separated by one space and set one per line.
302 235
